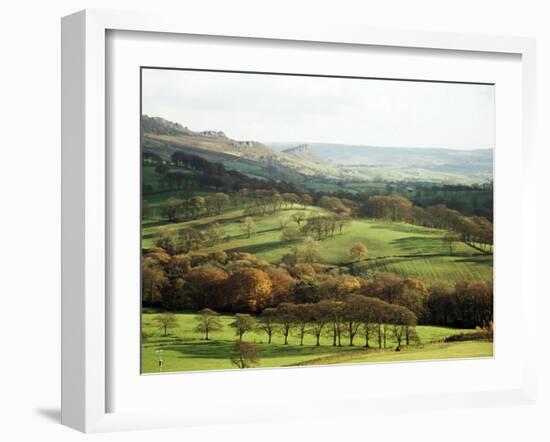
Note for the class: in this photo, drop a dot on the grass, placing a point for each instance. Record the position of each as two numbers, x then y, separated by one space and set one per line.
185 350
456 350
399 248
441 268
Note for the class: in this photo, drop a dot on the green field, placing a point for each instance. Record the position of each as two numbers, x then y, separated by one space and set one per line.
185 350
400 248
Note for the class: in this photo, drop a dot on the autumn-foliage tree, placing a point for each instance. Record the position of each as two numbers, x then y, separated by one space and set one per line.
251 288
153 280
204 287
390 207
282 284
358 250
208 322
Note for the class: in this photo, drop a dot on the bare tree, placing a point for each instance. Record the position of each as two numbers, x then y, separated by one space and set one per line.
245 355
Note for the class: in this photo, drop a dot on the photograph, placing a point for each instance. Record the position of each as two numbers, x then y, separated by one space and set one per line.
298 220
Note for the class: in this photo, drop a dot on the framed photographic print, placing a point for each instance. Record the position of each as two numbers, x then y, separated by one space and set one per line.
320 250
254 213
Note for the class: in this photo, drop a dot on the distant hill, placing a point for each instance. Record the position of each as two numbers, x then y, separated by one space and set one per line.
159 129
472 163
304 152
318 162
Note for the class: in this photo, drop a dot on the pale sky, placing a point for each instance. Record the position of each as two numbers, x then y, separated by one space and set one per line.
281 108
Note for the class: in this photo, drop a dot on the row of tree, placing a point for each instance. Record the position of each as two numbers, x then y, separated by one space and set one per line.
239 282
473 230
357 315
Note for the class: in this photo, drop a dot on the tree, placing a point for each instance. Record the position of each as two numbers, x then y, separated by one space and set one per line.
449 238
268 322
358 250
168 241
386 286
334 311
320 316
171 208
345 285
310 251
291 234
249 226
220 200
298 217
196 204
166 321
401 319
306 200
283 221
245 355
303 272
413 296
282 284
285 318
369 310
243 323
204 286
215 232
392 207
251 288
302 317
351 314
208 321
441 303
153 280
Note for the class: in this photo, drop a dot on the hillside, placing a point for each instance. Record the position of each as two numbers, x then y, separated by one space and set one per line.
318 164
161 130
304 152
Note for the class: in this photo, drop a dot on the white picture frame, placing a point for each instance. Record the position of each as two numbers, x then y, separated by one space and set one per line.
85 202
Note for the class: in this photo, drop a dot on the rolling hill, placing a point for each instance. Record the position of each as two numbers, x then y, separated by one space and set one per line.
318 162
476 163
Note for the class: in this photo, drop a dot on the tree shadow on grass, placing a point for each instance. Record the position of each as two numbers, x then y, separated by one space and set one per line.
417 244
223 350
476 259
403 228
258 248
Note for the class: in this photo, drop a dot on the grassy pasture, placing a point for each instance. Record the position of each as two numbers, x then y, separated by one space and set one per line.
425 352
399 248
185 350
